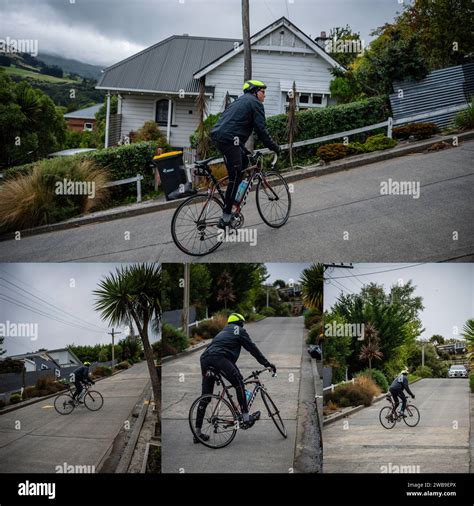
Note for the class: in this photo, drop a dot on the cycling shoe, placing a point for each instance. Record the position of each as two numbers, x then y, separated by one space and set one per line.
201 438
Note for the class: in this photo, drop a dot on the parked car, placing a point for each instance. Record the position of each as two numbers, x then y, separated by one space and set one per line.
457 371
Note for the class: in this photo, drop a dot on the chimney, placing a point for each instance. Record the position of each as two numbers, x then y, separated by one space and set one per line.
321 40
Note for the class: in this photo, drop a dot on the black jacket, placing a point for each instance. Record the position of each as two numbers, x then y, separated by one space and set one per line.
400 383
228 343
239 119
82 374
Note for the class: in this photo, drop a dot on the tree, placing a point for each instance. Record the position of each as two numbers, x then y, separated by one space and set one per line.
370 350
312 281
2 351
225 293
279 283
203 139
134 291
468 333
344 44
436 339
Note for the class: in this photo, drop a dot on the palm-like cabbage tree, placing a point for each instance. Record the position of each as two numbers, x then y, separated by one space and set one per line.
468 333
370 350
312 281
133 293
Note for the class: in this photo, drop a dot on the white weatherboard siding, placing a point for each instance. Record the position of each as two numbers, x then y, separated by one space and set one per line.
136 109
270 67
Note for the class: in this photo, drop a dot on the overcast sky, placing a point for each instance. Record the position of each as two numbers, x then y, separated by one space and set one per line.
54 284
103 32
447 290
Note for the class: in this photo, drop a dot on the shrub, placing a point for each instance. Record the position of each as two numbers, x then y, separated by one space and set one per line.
377 142
173 339
424 372
330 152
2 403
208 329
150 132
362 391
30 392
417 130
377 376
330 120
15 398
156 347
267 311
311 317
465 119
102 371
209 123
31 200
103 355
471 382
123 365
316 334
10 365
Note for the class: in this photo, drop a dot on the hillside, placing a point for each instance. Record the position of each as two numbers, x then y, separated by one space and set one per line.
72 66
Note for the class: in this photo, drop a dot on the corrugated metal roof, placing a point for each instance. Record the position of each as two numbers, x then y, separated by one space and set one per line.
440 89
167 66
87 113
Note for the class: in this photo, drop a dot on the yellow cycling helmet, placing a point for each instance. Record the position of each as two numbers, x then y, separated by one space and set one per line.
235 317
253 85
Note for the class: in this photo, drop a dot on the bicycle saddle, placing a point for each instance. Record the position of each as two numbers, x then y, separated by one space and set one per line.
202 163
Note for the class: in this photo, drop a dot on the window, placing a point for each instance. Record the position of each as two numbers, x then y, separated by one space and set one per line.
306 101
304 98
317 99
88 127
162 111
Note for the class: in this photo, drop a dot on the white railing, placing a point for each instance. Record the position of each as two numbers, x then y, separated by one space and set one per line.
333 386
138 179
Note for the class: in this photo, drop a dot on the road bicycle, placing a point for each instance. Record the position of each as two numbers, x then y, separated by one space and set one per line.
388 415
194 224
64 403
222 417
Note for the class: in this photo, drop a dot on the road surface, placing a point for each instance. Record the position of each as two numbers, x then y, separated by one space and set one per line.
47 439
260 449
438 444
335 218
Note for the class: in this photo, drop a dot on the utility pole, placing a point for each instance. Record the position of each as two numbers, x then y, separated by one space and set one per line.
423 355
268 296
187 268
246 40
113 333
337 266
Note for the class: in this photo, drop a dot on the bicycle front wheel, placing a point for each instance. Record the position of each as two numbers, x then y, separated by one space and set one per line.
273 413
64 404
412 416
273 199
386 417
93 400
194 225
219 420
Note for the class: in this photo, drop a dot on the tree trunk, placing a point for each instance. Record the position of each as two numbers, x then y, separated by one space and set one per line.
370 365
155 380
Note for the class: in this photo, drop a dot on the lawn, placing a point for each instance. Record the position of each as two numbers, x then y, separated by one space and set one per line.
15 71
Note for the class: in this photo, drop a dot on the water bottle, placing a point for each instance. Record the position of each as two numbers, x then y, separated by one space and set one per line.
240 192
248 395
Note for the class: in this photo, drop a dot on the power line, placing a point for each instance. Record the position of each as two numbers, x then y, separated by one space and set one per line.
287 10
380 272
54 307
46 302
267 6
18 303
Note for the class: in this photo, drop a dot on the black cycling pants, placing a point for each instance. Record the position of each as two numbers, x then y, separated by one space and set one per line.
230 372
235 161
396 394
79 388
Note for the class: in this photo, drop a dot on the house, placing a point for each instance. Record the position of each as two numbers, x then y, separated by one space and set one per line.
48 359
83 119
162 82
38 361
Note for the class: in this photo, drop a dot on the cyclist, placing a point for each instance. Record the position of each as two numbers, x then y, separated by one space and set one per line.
231 133
81 377
400 383
222 354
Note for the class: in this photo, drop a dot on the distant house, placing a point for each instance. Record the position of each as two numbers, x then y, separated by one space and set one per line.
83 119
38 361
48 360
162 82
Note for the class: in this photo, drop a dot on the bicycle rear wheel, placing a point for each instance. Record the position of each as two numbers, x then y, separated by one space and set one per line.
386 417
273 199
219 423
64 404
412 415
273 413
93 400
194 225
